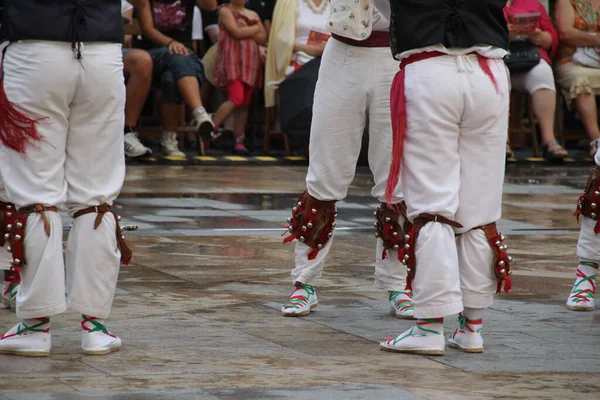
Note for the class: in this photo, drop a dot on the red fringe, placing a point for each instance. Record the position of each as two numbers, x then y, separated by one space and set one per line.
398 114
484 64
17 130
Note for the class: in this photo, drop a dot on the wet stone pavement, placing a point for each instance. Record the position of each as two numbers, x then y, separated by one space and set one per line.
198 308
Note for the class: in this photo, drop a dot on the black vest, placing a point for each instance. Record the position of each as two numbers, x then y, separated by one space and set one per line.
453 23
63 20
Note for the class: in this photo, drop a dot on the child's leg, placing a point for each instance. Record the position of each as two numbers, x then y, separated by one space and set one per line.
235 98
581 297
241 119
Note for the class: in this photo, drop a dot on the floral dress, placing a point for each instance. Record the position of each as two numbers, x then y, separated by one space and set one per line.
237 59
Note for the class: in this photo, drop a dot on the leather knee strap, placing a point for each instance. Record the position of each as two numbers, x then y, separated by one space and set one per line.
388 228
16 223
502 260
410 239
312 223
588 203
126 253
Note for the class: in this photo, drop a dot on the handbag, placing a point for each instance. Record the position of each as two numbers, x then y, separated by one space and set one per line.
522 56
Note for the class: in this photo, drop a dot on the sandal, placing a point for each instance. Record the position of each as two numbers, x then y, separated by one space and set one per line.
553 152
509 152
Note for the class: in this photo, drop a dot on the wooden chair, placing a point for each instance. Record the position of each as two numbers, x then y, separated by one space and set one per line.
271 119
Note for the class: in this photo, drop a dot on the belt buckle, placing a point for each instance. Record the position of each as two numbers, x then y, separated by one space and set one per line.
96 208
435 218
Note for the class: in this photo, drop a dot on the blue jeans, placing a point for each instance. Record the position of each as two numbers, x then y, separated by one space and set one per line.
170 68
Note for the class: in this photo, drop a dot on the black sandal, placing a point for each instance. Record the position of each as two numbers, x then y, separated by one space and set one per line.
553 156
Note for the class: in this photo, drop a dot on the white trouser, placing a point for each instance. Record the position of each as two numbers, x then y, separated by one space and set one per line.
539 77
80 163
453 165
588 245
353 82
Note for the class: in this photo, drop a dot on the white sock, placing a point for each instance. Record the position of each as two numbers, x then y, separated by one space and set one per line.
169 136
198 112
474 319
473 313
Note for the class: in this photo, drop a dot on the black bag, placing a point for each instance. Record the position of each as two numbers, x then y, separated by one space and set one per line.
522 56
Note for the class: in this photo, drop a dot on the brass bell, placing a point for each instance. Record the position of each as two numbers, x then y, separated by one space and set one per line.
302 239
290 229
18 237
6 236
509 258
387 219
395 234
406 237
122 237
320 246
594 205
299 203
9 214
404 262
396 247
333 224
17 261
510 272
329 234
19 225
9 249
375 224
8 207
407 246
502 238
502 263
9 227
597 193
289 220
309 225
304 228
593 215
119 218
335 215
314 210
374 213
408 270
294 209
406 256
498 243
502 272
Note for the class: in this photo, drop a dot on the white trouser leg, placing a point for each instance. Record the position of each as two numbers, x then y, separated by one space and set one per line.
339 114
588 245
482 154
390 274
40 78
443 124
42 289
5 257
93 261
95 170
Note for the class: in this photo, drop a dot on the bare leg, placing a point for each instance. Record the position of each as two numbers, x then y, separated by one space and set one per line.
171 115
240 121
224 111
544 108
190 91
586 105
138 67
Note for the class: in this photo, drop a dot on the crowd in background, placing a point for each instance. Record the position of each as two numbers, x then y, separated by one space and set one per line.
217 56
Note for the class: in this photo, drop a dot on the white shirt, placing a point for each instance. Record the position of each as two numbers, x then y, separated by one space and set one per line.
197 31
309 21
125 6
380 22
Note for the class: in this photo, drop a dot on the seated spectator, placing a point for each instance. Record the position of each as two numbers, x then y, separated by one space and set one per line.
579 28
538 82
238 66
167 31
137 66
293 21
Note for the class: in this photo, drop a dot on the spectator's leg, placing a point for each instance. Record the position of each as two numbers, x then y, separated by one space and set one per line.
586 106
539 83
137 65
241 119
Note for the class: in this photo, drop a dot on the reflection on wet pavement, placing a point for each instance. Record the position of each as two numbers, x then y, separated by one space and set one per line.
198 309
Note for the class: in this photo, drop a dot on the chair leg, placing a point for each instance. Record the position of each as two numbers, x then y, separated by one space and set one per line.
534 136
267 144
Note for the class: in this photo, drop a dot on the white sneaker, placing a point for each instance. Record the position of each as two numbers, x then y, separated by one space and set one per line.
418 340
584 288
204 125
96 340
9 295
169 146
401 305
300 302
23 340
468 336
133 146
